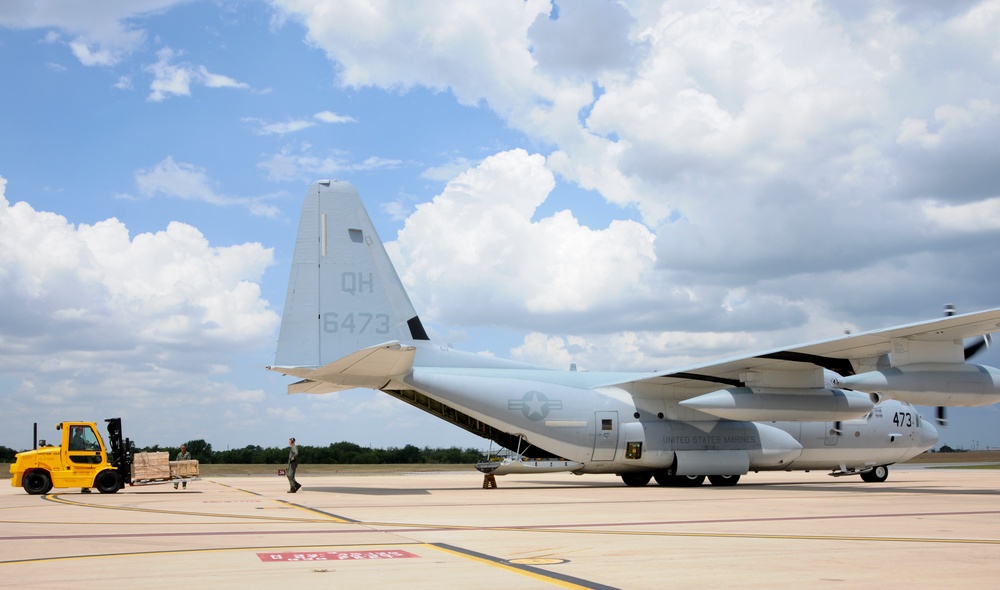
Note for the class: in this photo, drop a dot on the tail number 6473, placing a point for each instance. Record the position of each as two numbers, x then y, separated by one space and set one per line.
356 323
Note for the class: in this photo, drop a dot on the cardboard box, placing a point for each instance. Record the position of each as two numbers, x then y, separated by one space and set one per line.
151 466
184 468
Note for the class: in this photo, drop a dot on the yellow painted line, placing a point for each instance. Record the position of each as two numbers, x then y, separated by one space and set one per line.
55 498
327 516
770 536
555 580
237 489
582 531
537 561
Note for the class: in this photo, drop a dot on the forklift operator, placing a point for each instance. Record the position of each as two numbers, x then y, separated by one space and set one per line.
78 441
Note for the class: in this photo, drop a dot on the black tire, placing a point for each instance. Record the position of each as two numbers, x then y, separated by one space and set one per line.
876 474
679 481
691 481
37 483
107 482
723 480
666 480
636 480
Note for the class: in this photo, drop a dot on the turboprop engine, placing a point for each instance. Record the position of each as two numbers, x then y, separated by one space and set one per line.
931 384
782 403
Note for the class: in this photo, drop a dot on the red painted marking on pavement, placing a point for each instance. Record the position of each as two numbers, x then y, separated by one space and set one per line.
336 555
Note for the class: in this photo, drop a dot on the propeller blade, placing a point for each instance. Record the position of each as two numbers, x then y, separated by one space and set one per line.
977 346
942 420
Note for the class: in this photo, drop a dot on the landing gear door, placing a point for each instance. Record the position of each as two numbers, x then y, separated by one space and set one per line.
605 436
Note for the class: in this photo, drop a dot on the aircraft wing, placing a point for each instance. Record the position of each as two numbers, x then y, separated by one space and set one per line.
373 367
799 369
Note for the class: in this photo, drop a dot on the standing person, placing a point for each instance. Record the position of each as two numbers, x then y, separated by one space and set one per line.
293 462
183 455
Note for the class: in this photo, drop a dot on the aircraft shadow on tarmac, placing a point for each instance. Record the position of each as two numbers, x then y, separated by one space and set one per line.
942 489
368 491
710 491
831 487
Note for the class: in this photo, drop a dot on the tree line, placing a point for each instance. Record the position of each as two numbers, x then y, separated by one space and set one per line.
341 452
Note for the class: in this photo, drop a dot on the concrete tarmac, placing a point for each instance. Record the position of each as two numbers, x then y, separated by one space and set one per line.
923 528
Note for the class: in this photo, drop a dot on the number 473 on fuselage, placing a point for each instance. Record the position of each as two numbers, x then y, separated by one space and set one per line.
840 405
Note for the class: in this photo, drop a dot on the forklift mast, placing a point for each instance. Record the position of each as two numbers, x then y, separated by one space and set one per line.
121 450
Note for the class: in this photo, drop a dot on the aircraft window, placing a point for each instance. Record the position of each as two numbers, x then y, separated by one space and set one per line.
606 424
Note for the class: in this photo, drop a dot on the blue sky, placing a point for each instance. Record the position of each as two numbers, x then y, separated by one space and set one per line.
667 183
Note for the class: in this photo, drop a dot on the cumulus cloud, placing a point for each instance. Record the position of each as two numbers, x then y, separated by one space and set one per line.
71 288
102 33
972 217
331 117
171 79
262 127
796 166
181 180
97 320
479 237
303 163
468 48
566 42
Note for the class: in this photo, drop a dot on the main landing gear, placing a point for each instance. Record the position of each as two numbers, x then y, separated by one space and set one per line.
665 479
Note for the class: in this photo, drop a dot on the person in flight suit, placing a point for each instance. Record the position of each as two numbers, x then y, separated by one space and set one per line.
293 462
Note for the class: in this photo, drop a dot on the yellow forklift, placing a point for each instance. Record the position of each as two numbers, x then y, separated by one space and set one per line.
80 461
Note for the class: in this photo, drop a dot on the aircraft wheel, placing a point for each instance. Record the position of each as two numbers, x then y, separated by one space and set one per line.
37 482
666 480
679 481
636 480
691 481
876 474
107 482
723 480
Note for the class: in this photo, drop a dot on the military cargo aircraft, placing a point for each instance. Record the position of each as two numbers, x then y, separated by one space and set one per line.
841 404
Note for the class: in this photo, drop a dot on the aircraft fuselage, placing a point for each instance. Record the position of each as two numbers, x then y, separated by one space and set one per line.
600 427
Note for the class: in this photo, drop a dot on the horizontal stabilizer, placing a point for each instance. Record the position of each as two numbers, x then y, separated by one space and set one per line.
372 367
310 386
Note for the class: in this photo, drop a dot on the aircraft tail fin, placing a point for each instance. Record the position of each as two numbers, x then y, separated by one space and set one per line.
343 293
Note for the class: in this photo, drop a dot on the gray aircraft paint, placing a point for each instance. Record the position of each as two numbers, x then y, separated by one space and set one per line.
348 322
